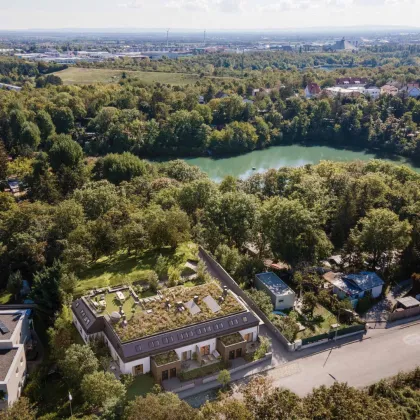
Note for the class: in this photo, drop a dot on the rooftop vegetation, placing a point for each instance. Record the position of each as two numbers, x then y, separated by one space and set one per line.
165 358
230 339
161 319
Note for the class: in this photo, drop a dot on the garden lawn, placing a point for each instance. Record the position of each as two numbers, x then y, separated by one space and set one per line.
122 268
5 297
322 324
203 371
142 385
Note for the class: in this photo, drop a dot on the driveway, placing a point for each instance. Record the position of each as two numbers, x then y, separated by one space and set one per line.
379 312
381 354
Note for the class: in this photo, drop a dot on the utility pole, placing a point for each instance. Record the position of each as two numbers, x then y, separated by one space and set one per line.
70 399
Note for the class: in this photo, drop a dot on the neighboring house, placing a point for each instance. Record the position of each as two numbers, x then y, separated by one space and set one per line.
389 90
339 91
407 302
282 296
14 336
13 185
179 328
348 82
373 91
411 89
355 286
201 100
10 87
312 89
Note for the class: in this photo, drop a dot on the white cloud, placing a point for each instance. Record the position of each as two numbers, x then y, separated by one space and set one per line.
188 4
224 6
285 5
134 4
231 6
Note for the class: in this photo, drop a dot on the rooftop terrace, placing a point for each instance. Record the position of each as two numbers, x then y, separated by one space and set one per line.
173 308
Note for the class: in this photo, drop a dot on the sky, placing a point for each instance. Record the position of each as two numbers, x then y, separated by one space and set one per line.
206 14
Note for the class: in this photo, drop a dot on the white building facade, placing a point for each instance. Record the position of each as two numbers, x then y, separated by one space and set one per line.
14 334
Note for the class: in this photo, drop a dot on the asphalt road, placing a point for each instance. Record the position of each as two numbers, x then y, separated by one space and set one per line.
381 354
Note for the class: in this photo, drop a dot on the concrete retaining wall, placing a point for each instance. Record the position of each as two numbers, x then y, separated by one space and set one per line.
395 316
317 343
268 356
226 278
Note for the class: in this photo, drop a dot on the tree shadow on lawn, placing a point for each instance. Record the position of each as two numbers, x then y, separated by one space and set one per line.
122 263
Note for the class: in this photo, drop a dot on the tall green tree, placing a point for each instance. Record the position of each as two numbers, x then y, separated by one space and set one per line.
294 232
79 360
379 234
4 161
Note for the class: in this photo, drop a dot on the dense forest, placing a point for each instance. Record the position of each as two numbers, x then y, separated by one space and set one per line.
162 120
79 211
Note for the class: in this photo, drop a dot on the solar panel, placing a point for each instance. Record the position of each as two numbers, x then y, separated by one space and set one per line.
193 307
3 328
212 304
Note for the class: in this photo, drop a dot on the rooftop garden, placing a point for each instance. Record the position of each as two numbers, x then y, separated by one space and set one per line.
153 317
165 358
231 339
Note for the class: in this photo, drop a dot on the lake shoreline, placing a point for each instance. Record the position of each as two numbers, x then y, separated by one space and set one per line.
275 157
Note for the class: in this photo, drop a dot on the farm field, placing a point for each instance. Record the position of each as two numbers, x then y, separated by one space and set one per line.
85 76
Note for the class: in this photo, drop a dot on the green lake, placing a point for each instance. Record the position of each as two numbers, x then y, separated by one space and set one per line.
280 156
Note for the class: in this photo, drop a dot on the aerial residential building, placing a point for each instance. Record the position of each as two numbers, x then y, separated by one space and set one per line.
348 82
15 335
355 286
373 91
282 296
412 90
339 91
312 89
164 334
389 90
10 87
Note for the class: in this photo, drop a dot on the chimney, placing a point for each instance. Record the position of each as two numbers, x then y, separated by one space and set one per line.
196 299
221 299
225 291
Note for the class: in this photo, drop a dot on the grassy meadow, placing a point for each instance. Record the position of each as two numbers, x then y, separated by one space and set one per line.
86 76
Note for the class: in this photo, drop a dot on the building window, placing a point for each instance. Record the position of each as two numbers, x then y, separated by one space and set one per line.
249 336
186 355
